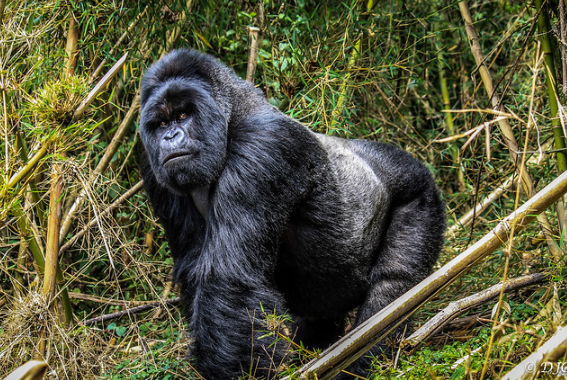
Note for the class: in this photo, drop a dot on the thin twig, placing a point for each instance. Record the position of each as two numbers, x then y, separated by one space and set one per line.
480 207
134 310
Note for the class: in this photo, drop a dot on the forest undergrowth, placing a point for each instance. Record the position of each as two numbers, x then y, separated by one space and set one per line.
474 89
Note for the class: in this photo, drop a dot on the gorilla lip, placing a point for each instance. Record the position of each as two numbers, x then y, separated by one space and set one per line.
178 155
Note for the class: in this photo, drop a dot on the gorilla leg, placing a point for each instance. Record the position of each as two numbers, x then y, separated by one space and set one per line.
409 249
229 331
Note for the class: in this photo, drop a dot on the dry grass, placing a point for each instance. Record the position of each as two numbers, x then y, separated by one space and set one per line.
70 354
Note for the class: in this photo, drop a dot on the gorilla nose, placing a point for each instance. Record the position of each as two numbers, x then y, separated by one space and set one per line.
174 137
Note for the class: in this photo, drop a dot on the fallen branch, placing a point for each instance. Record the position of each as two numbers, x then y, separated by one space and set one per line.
458 307
134 310
107 301
361 339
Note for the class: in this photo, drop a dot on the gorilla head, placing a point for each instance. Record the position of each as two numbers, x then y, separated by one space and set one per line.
263 214
182 127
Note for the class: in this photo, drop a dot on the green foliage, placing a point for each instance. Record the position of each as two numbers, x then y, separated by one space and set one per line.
156 363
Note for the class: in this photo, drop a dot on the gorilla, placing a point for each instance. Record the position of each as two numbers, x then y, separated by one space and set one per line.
264 216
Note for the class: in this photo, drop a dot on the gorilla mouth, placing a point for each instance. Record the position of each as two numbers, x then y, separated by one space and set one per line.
176 155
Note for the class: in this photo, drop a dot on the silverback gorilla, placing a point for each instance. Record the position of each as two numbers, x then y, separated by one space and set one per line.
262 215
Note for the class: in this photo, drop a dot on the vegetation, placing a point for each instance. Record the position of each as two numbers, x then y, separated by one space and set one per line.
78 240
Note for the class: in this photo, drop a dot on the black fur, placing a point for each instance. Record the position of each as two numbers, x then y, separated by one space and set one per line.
263 215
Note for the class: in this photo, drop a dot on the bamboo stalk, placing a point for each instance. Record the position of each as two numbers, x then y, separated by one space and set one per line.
71 46
23 172
505 128
339 106
52 245
2 8
53 275
563 37
33 243
100 86
6 128
363 337
253 32
551 81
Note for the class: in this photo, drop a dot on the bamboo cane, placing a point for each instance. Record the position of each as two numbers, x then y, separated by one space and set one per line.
52 246
71 46
544 30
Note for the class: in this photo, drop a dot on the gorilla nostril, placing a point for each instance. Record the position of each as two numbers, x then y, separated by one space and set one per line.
172 135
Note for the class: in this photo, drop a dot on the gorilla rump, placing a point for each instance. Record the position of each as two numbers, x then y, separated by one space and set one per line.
263 215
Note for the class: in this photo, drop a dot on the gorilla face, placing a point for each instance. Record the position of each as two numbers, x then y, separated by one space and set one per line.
184 133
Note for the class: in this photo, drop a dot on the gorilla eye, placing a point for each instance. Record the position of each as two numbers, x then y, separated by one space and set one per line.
162 124
182 116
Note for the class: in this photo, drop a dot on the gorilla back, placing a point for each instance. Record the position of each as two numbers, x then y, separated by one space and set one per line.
263 215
